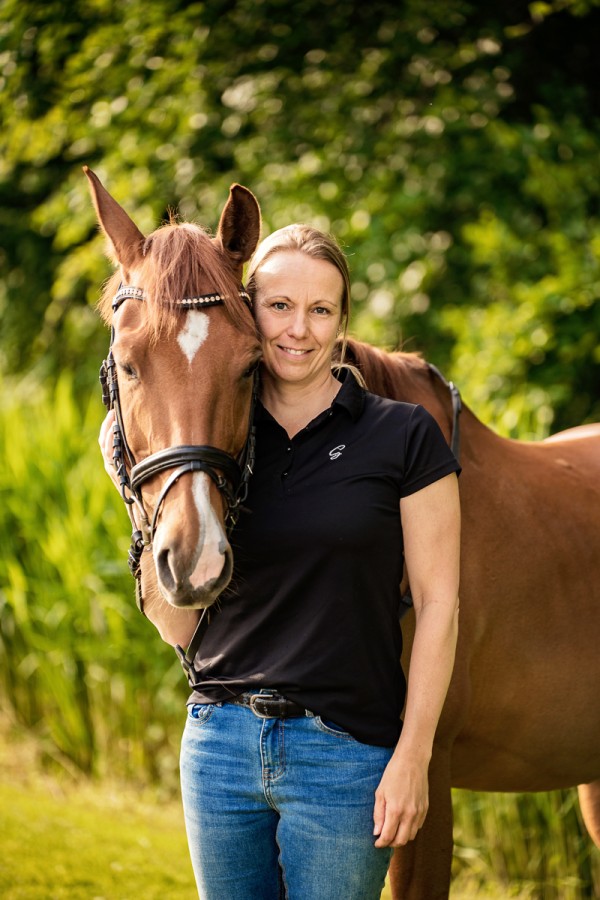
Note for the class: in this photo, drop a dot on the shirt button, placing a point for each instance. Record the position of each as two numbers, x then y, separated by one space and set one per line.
287 449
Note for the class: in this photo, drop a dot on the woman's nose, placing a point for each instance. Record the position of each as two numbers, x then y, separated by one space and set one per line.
298 327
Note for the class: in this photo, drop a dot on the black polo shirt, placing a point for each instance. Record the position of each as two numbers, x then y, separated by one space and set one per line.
313 606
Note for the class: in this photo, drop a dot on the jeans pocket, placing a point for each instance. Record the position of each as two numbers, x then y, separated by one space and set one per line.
199 713
329 727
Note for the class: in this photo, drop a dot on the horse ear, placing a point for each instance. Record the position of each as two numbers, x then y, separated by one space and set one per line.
124 235
239 226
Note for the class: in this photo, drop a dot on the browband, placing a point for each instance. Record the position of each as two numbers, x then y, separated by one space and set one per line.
129 292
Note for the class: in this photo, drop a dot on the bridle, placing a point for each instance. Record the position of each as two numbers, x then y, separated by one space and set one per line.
230 475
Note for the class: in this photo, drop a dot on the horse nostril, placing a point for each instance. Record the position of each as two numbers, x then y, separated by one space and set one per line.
163 570
227 569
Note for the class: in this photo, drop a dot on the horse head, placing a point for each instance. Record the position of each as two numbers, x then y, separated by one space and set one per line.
183 352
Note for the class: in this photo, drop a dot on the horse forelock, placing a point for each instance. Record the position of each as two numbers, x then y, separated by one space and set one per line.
181 260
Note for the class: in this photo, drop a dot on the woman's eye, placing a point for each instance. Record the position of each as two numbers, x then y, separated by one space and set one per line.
322 310
280 305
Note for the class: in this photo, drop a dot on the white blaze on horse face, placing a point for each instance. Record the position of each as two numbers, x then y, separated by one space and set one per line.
194 333
212 541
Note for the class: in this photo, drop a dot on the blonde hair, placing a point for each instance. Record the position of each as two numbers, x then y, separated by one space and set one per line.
313 243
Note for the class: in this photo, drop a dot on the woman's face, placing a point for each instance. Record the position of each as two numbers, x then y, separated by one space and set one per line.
298 308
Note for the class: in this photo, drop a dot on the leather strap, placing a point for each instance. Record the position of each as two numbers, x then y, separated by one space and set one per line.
270 706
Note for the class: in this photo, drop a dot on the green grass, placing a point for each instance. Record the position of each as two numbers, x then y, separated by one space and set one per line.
67 837
89 843
74 839
533 844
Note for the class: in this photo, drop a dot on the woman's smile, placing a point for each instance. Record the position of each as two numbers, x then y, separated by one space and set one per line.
293 351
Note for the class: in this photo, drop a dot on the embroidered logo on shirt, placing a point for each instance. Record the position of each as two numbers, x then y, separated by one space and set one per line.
337 451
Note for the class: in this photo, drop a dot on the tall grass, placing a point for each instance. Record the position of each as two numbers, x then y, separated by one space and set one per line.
534 843
89 677
78 664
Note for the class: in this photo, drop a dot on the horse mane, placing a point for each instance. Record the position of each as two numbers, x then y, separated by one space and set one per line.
384 373
404 376
181 260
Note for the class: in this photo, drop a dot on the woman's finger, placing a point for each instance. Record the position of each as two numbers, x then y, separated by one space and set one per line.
105 440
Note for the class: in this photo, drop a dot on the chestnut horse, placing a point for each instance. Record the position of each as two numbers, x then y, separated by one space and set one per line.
522 711
180 375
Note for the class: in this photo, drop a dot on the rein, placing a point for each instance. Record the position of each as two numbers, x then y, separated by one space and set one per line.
456 410
230 475
406 601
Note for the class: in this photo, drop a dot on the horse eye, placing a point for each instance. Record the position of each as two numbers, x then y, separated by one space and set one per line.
128 370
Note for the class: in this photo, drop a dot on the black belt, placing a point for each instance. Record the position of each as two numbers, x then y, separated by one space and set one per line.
271 705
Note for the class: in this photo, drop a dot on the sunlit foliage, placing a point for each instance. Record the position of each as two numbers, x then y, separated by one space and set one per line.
452 146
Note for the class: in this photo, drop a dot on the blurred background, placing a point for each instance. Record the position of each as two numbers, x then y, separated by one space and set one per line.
452 146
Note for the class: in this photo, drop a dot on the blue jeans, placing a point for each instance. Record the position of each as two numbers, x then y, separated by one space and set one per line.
279 808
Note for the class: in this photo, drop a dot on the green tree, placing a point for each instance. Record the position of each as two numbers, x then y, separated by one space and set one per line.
452 146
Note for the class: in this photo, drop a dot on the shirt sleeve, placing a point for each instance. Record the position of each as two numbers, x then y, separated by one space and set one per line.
427 455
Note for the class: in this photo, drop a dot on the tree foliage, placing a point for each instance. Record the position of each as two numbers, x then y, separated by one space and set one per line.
451 146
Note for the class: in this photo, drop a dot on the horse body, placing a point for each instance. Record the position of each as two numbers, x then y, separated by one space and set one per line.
522 711
530 613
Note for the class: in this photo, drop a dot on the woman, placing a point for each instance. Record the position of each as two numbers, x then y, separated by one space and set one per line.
298 775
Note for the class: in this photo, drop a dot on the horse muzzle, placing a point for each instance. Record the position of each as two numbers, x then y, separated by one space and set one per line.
192 555
187 586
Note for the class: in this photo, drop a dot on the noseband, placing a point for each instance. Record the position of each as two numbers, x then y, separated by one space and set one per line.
230 475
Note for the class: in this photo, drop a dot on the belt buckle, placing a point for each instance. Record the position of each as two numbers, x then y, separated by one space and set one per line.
256 698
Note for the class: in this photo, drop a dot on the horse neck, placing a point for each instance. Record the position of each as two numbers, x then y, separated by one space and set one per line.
407 377
402 376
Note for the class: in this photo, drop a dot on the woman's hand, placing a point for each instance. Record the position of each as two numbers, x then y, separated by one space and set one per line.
105 440
401 800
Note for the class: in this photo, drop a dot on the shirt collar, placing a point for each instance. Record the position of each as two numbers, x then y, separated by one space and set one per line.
351 397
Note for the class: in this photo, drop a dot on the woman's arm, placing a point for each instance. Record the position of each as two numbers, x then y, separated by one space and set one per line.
431 528
175 626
